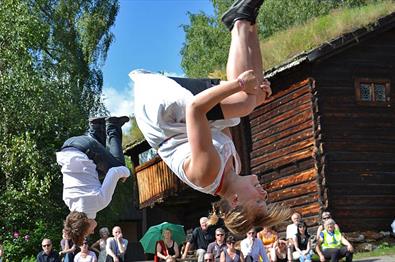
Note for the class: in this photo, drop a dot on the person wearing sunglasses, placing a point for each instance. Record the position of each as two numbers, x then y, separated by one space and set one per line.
325 216
48 254
231 254
85 255
253 248
218 245
302 244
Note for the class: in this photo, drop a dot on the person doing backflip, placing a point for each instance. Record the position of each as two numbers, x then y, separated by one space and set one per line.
187 121
83 159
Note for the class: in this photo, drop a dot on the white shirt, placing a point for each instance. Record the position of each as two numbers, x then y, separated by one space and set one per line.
292 229
256 250
82 190
162 120
90 257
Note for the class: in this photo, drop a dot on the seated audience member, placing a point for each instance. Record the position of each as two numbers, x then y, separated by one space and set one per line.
201 237
208 257
116 246
231 254
292 229
269 239
48 254
332 245
101 244
325 215
253 248
218 245
281 250
166 249
302 244
85 255
68 248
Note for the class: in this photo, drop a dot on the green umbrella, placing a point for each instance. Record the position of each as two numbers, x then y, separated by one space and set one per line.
154 234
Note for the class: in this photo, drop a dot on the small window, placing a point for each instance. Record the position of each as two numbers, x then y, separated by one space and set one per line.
375 92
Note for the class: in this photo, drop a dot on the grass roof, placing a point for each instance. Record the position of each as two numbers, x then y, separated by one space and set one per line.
284 45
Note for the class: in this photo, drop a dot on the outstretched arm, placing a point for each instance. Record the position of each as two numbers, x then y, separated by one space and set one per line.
110 182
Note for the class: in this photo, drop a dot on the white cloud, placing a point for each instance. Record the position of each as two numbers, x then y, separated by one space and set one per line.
119 102
173 74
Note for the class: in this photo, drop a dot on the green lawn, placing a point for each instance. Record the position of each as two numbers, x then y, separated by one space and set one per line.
382 251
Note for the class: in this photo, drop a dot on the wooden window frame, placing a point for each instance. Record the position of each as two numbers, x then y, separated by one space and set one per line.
385 82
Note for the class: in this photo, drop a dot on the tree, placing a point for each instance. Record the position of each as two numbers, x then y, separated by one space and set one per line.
51 52
207 40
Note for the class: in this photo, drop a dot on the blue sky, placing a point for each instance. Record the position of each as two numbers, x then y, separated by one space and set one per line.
148 35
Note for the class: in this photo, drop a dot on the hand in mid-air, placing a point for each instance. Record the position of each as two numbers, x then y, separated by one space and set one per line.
265 86
249 82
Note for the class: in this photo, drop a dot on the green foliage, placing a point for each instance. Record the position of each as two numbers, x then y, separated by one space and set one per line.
286 44
207 41
133 134
50 79
277 15
21 244
384 245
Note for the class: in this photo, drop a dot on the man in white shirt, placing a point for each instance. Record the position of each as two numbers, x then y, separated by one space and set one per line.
292 229
82 159
253 248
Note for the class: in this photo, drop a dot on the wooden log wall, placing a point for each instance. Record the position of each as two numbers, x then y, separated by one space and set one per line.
358 141
156 181
283 147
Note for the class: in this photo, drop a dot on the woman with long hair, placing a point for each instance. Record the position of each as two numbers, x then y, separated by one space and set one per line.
302 244
167 248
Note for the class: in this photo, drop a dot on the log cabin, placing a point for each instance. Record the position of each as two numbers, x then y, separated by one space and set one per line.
325 140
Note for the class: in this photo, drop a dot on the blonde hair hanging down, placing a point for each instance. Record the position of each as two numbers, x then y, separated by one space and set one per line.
240 219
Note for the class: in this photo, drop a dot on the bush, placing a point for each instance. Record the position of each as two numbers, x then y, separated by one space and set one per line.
20 244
